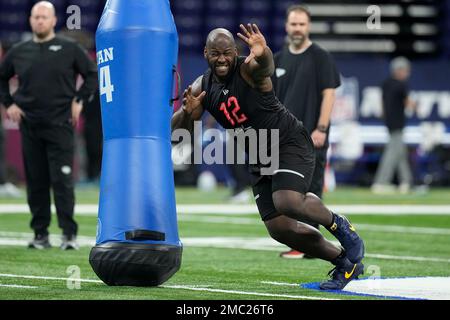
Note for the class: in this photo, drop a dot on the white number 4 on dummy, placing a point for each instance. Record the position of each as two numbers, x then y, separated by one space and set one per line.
105 83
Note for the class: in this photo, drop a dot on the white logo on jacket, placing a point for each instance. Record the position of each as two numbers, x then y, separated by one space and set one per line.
280 72
55 48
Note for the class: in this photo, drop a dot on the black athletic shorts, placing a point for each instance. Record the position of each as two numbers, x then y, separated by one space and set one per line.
295 171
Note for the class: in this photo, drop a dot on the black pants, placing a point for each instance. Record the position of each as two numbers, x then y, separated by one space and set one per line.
93 139
48 152
317 181
318 177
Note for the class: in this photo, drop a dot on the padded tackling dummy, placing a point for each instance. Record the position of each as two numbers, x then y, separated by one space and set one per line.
137 235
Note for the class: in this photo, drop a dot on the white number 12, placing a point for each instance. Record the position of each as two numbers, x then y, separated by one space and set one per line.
105 83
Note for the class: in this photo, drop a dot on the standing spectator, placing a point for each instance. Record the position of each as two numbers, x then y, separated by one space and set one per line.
7 189
305 81
47 106
395 155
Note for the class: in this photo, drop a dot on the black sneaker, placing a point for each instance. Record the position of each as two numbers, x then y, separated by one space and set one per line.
344 272
69 242
40 242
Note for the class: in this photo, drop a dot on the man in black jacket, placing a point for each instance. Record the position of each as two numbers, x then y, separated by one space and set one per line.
47 106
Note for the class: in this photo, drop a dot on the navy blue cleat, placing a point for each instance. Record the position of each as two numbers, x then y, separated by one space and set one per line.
342 274
343 230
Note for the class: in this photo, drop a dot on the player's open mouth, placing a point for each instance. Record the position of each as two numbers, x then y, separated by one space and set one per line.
222 69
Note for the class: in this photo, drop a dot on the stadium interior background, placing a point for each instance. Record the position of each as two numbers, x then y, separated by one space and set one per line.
419 30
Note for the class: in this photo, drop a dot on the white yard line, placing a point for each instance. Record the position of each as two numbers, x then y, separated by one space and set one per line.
365 227
182 287
408 258
20 276
16 286
345 209
247 243
402 229
220 220
257 221
228 209
281 283
259 294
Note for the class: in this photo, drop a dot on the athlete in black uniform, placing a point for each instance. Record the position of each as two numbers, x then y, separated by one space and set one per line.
238 92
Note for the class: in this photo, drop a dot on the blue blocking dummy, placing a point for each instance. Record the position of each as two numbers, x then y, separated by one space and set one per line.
137 236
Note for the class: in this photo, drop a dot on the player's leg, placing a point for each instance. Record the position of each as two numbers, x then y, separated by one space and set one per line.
316 187
290 184
38 184
299 206
304 238
295 234
347 262
308 239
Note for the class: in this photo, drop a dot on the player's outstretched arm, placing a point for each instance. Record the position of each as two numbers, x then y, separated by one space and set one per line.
191 109
260 60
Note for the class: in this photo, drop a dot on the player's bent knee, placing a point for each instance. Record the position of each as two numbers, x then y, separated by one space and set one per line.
289 205
275 227
279 227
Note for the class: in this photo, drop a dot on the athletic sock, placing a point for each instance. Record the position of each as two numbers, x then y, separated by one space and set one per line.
333 226
339 258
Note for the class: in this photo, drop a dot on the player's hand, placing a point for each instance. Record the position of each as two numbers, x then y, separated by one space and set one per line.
77 107
15 113
254 39
318 138
190 102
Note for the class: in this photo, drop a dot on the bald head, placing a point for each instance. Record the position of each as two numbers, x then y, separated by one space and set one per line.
44 5
219 34
43 21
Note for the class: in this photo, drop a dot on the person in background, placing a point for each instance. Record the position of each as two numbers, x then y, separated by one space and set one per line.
47 107
305 81
7 189
395 154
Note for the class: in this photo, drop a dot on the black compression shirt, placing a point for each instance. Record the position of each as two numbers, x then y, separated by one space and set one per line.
235 104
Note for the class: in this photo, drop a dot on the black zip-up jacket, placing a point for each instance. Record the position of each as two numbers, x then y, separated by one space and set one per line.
47 75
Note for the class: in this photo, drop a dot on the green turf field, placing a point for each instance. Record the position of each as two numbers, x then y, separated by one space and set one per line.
228 256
